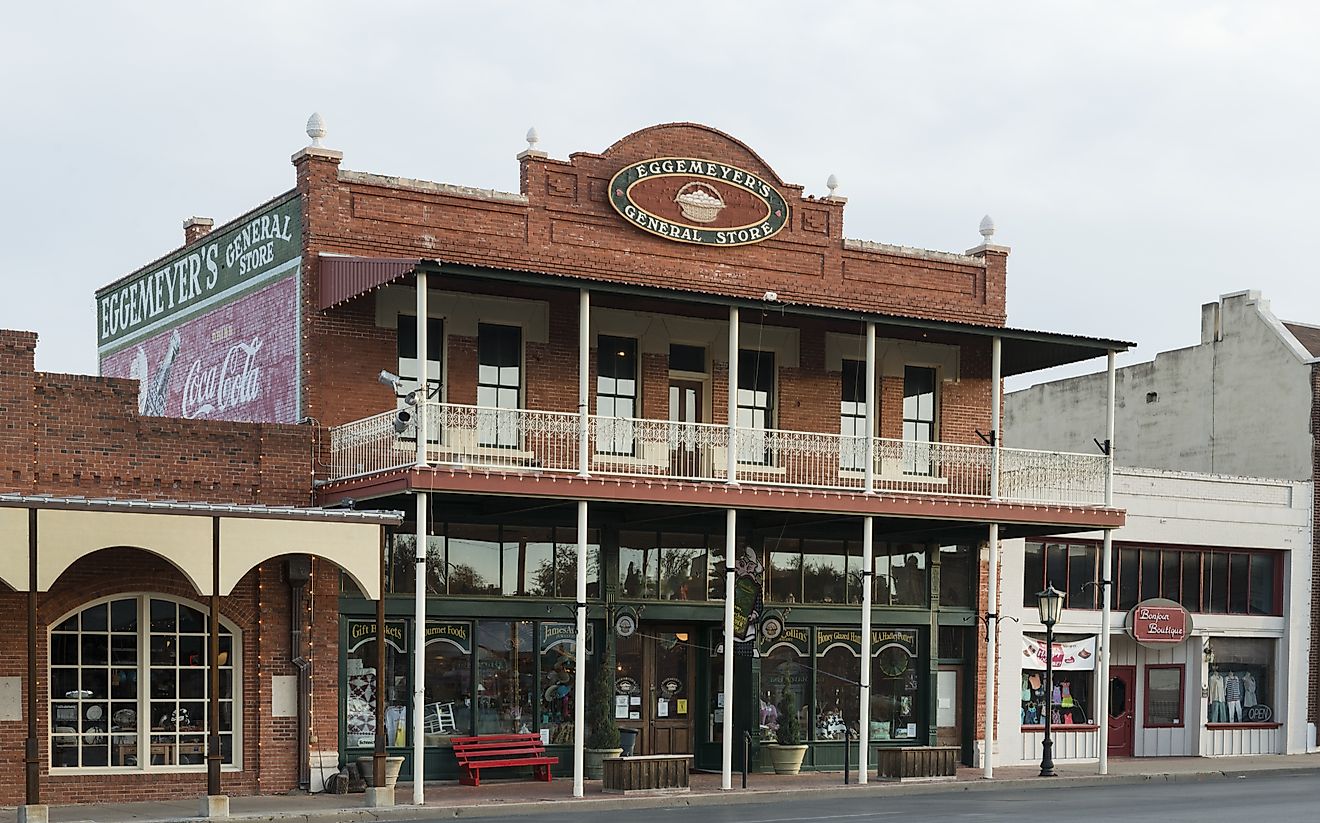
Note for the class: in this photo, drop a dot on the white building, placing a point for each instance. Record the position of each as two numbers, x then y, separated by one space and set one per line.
1236 552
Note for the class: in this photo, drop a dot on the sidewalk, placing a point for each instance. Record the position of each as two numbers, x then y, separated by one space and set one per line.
507 797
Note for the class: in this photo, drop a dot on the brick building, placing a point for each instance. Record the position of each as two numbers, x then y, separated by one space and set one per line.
117 510
564 402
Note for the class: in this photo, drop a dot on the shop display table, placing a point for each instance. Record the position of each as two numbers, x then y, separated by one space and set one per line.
917 762
648 773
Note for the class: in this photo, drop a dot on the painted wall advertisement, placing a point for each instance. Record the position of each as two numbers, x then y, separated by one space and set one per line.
212 332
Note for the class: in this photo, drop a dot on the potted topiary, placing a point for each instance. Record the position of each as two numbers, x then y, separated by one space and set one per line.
602 732
787 752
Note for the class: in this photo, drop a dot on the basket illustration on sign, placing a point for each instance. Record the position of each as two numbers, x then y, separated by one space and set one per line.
699 202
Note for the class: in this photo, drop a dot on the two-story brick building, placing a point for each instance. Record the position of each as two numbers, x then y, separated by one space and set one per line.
584 461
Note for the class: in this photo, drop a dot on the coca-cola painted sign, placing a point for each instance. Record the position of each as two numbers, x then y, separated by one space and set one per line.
237 362
1159 622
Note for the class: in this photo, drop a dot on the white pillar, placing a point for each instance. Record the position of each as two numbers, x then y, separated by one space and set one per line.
1107 576
584 378
580 652
423 366
870 420
419 644
992 636
730 562
996 379
732 467
864 711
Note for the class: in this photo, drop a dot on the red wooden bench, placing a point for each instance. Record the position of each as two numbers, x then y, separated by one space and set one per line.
490 751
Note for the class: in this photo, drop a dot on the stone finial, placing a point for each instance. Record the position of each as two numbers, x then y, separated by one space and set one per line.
987 228
532 139
832 183
316 128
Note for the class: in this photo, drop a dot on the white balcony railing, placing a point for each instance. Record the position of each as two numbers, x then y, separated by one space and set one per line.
539 441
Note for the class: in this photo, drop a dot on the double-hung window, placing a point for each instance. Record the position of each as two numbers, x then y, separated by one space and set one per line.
852 416
499 385
918 420
616 395
756 399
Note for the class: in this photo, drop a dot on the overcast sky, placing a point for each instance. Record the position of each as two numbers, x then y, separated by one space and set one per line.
1139 158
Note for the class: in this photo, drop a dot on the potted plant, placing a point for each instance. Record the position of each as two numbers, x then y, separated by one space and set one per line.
787 752
602 732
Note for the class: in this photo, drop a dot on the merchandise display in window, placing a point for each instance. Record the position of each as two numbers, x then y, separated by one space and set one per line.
360 688
1069 699
1240 680
99 714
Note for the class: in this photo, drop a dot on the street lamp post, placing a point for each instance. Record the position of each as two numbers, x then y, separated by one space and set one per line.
1050 603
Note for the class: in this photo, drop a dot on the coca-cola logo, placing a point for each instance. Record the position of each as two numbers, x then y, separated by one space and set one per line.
232 382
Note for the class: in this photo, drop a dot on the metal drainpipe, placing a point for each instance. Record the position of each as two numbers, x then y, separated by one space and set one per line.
299 571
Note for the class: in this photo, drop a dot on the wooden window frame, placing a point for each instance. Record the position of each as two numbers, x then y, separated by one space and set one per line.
1182 696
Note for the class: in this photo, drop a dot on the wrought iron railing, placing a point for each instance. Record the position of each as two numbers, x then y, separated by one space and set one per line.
538 441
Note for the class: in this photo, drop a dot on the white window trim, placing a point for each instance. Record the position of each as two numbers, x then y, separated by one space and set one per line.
144 717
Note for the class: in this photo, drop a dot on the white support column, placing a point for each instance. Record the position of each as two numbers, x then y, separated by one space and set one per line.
864 710
991 642
870 421
584 379
730 563
423 366
580 652
732 467
992 570
419 645
1107 577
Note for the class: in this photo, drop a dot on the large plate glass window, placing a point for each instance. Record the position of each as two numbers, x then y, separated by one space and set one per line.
1241 684
363 680
499 385
129 685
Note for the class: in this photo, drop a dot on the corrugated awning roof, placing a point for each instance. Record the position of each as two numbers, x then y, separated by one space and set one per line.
345 278
142 506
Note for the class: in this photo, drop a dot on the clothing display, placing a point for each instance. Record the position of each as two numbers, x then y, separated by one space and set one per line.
1248 690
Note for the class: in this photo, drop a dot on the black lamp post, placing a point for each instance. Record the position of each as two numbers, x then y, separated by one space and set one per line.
1050 603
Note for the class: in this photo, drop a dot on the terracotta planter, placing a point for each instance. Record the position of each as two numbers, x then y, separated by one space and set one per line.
592 761
786 759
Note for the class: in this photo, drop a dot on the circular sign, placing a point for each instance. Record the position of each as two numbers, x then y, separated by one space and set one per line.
772 627
1259 713
625 685
625 625
671 686
1159 622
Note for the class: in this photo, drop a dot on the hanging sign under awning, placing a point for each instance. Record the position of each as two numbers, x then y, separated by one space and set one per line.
1075 656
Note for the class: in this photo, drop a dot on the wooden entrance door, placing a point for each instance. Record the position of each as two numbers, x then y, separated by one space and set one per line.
685 410
656 673
1122 709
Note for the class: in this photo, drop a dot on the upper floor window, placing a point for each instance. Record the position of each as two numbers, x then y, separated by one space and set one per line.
499 385
408 371
852 416
756 405
616 394
129 686
918 419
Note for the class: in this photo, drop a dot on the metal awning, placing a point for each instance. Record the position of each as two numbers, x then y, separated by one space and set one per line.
70 528
344 278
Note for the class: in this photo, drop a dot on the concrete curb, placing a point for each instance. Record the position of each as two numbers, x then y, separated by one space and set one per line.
737 797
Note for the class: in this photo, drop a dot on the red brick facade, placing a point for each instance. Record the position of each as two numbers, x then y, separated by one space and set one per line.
82 436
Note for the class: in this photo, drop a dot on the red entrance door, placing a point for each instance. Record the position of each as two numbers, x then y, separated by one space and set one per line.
1122 709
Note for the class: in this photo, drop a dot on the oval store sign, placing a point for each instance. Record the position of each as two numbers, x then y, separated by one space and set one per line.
1159 622
698 201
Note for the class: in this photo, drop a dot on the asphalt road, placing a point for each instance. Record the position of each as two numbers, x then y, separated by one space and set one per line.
1268 799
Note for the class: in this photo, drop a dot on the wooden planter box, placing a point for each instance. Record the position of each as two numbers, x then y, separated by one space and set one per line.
917 762
651 774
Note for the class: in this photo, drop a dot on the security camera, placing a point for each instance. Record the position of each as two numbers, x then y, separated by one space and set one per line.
771 296
402 420
389 379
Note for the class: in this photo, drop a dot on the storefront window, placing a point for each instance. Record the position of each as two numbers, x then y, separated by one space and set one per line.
715 567
100 717
528 562
403 563
1241 680
506 677
837 671
1164 696
360 691
1069 699
895 685
474 559
682 566
957 574
566 563
785 572
639 564
824 571
448 706
785 667
558 645
900 574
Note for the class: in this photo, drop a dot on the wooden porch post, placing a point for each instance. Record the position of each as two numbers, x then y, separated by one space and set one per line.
31 750
213 754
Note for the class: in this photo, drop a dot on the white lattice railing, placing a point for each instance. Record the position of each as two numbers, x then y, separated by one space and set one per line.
538 441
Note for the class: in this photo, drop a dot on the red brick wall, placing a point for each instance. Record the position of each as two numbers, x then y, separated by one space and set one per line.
75 435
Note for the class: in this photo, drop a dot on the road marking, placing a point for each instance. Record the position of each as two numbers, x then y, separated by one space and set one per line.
822 817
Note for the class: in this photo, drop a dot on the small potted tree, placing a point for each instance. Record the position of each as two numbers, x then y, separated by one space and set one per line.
602 732
787 751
